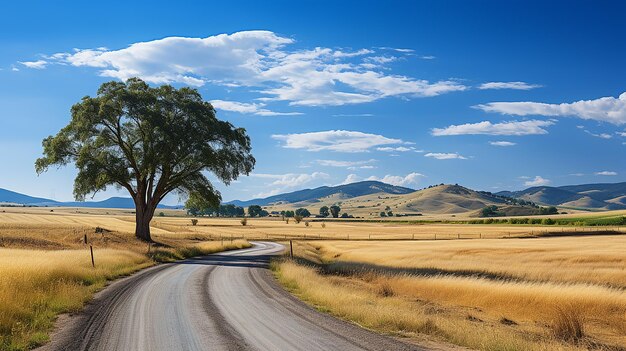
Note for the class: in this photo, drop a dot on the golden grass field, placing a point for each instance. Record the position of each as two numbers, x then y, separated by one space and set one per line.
45 267
456 290
564 293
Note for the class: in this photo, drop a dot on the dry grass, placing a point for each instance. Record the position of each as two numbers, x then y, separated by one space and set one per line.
532 294
45 266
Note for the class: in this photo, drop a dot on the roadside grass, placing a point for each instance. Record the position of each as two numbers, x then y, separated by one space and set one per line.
484 312
45 270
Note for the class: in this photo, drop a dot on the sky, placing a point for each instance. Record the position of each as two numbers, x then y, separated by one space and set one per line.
493 95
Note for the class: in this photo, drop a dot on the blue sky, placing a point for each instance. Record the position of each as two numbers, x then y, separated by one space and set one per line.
492 95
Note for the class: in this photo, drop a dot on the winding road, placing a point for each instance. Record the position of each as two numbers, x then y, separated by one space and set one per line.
226 301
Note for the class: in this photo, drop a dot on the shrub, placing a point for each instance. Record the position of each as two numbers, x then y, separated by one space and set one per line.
323 225
287 220
548 221
244 221
306 223
194 221
297 218
161 214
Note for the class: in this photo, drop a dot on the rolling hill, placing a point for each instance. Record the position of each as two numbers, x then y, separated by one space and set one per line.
346 191
600 196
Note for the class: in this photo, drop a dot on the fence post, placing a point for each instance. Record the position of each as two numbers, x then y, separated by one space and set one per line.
85 239
93 263
291 248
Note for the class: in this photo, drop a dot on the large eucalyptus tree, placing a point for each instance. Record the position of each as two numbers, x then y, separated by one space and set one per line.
149 141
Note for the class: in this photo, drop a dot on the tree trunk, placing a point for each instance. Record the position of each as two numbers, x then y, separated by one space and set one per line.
143 216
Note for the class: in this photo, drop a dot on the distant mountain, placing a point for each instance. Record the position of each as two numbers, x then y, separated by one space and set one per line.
340 191
601 196
11 197
8 196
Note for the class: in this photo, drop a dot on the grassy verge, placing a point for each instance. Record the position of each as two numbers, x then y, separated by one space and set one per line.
37 285
476 312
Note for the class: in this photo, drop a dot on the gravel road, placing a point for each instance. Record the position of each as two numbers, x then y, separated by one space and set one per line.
225 301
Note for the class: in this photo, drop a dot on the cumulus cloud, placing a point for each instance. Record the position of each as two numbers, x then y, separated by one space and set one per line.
537 181
411 178
606 173
508 85
248 108
530 127
39 64
351 178
605 109
262 59
502 143
335 140
445 156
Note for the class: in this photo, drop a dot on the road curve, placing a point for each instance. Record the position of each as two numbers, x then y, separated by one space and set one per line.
226 301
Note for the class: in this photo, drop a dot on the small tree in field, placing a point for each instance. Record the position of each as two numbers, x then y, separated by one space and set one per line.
324 211
149 141
334 210
194 222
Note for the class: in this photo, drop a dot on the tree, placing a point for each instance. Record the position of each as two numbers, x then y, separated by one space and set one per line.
324 211
383 214
254 211
303 212
149 141
334 211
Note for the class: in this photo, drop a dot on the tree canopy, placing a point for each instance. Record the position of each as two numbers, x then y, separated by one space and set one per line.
149 141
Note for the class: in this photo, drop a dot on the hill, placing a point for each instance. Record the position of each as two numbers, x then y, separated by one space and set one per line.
435 200
600 196
308 196
14 198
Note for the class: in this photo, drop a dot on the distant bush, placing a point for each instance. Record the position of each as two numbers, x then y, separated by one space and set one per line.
194 221
244 221
548 221
297 218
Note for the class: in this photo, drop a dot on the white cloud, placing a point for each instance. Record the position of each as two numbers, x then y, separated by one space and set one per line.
605 109
411 178
538 181
263 59
351 178
248 108
335 140
445 156
288 181
336 163
15 69
398 149
502 143
576 174
623 134
530 127
508 85
606 173
600 135
39 64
